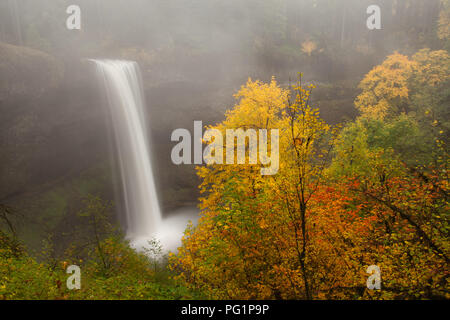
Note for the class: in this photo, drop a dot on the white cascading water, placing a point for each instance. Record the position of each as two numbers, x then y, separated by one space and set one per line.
126 101
123 86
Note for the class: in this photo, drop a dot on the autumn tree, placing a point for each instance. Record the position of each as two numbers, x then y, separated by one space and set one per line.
395 158
401 84
224 254
385 88
268 236
414 90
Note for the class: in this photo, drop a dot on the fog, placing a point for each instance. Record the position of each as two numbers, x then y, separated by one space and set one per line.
56 139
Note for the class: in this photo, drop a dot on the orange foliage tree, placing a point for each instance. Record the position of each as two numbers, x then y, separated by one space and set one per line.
305 232
274 236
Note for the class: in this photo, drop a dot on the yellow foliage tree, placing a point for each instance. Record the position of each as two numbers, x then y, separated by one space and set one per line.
401 85
309 47
268 236
299 235
385 88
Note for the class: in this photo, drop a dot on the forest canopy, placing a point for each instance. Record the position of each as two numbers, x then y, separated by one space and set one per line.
362 181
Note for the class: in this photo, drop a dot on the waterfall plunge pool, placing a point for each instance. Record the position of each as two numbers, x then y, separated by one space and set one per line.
170 230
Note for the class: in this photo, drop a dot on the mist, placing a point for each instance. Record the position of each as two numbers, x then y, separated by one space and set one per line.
63 136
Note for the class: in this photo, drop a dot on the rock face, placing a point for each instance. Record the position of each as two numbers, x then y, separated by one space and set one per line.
46 126
26 72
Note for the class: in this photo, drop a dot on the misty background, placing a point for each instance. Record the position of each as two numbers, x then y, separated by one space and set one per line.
194 55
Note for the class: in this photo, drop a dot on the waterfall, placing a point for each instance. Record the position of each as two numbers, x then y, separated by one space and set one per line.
122 82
